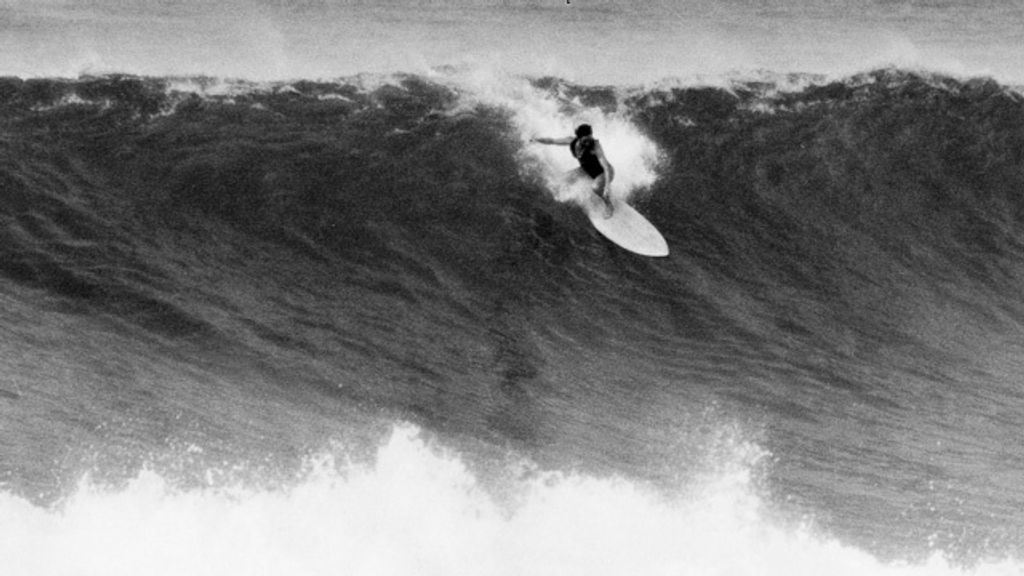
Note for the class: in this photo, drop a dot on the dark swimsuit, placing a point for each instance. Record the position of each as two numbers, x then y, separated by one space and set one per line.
588 160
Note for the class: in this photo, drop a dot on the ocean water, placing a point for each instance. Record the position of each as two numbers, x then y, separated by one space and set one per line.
286 289
617 42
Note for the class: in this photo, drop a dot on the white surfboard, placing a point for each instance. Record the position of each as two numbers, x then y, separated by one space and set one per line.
626 227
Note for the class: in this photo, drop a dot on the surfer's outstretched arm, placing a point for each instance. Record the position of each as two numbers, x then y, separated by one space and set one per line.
559 141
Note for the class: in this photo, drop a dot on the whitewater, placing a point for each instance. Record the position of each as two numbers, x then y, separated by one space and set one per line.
286 288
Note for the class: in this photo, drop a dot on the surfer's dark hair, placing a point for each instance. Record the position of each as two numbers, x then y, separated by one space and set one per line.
584 130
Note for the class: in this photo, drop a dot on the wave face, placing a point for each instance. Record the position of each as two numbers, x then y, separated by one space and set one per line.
365 313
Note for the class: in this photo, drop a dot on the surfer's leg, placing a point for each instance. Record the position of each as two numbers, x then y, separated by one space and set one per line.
573 176
599 188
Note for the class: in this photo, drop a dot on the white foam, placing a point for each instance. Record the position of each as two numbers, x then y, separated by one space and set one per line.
540 113
418 510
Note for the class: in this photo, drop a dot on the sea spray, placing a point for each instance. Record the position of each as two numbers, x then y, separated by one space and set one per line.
543 109
418 509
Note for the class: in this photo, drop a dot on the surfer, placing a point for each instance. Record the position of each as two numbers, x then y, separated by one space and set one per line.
593 164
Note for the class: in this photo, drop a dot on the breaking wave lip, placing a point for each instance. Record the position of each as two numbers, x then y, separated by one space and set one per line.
538 94
418 508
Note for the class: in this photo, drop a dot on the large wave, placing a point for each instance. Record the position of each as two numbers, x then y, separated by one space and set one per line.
839 247
872 196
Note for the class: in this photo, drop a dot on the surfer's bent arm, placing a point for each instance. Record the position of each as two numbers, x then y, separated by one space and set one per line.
558 141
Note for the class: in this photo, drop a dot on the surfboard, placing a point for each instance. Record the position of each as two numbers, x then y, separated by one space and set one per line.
626 227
